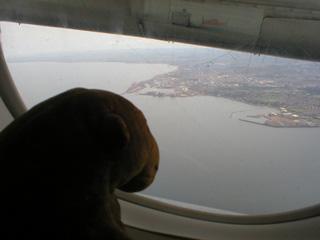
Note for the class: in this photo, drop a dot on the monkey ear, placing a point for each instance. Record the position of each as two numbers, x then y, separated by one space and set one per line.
115 132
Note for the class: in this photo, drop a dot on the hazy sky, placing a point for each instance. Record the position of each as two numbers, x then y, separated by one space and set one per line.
30 39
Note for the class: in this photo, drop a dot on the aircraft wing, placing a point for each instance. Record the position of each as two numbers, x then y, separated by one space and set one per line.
288 28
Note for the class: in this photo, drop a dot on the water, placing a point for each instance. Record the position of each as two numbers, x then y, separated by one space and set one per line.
208 156
38 81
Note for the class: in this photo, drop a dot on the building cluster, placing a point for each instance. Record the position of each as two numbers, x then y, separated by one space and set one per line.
288 119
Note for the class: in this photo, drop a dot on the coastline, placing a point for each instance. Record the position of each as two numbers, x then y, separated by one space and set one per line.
268 125
280 120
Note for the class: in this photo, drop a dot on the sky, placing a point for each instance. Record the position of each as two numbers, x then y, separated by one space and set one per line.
26 39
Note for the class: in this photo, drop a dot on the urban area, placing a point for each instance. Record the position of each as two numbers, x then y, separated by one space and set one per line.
290 86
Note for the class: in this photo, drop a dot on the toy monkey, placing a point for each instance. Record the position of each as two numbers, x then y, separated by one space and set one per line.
61 162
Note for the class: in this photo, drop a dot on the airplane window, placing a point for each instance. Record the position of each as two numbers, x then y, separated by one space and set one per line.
237 132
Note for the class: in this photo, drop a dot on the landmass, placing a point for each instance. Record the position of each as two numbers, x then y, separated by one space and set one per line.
285 119
292 87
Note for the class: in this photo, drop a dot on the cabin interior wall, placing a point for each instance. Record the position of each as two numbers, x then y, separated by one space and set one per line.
145 235
5 116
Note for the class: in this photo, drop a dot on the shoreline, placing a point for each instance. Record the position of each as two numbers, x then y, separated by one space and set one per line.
273 123
267 125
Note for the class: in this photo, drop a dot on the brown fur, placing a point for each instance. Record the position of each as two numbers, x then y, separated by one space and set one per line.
61 162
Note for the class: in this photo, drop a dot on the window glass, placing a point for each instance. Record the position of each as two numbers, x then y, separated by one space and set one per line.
236 132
